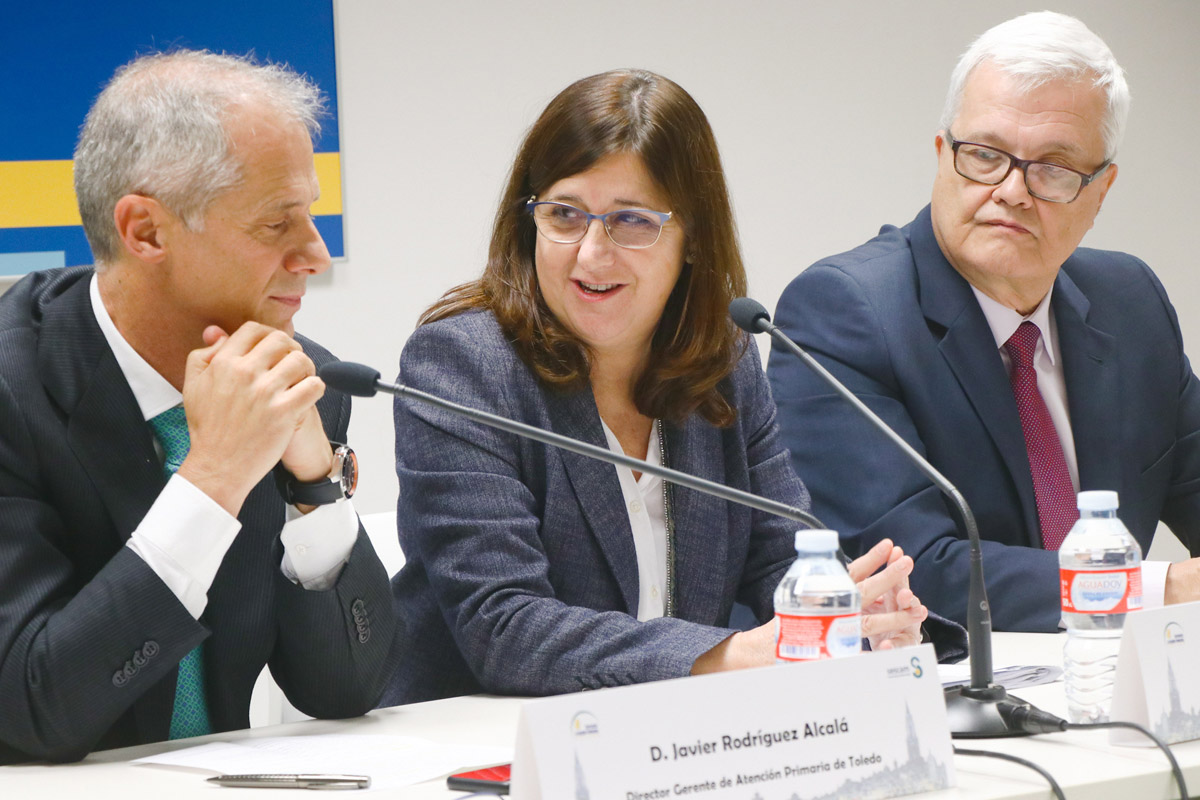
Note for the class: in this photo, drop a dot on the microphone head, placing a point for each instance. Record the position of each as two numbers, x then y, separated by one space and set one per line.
346 376
749 314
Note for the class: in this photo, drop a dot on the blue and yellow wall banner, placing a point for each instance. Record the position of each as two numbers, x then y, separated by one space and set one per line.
56 56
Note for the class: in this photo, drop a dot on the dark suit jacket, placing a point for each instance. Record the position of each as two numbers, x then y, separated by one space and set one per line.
902 328
521 576
89 636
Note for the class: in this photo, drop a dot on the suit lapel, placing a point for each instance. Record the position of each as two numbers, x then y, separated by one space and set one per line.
112 442
971 354
596 488
1090 370
105 427
701 522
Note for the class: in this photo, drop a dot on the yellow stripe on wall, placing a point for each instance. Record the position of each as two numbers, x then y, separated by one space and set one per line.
41 194
329 177
37 194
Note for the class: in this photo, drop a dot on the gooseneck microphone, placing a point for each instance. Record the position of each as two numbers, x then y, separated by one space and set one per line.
362 381
973 710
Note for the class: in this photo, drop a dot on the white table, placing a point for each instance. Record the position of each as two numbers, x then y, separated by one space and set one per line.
1083 762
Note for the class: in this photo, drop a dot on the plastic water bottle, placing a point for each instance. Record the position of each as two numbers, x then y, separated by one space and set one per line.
818 609
1100 569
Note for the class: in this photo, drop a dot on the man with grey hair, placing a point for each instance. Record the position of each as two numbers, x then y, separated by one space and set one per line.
172 486
1024 367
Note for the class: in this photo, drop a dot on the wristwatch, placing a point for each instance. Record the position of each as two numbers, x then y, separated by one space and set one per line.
341 483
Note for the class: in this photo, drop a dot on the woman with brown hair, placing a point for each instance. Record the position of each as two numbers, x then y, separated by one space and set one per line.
532 570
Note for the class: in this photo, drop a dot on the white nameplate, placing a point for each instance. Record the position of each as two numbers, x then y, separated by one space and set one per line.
1157 683
872 725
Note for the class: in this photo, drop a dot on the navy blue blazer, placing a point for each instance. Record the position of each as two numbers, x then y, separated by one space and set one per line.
521 576
90 636
904 331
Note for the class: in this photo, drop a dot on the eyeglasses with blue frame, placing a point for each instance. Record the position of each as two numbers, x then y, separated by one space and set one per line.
633 228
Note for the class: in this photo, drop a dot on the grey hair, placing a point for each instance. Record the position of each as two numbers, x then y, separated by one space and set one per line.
1042 46
159 129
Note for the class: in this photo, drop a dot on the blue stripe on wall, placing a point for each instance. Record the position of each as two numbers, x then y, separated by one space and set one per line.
72 249
68 240
21 263
65 51
330 228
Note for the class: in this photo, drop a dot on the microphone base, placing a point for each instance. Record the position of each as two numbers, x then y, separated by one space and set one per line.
974 713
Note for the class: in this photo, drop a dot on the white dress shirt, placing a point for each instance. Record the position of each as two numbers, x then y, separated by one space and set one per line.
647 519
185 534
1052 384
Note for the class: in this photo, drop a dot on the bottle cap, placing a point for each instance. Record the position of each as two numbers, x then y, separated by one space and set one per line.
817 541
1097 501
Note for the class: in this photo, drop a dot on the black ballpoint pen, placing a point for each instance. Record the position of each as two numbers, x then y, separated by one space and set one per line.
289 781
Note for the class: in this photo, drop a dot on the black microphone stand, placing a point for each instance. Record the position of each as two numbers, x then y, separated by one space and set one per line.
973 710
362 381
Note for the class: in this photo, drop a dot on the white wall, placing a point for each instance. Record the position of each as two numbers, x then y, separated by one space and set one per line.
825 113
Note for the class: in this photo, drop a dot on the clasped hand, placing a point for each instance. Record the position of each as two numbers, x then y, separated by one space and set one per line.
892 614
250 400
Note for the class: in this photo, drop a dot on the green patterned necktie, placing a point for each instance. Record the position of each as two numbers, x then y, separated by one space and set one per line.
190 715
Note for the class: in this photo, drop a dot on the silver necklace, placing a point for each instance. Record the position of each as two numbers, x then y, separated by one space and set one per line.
668 523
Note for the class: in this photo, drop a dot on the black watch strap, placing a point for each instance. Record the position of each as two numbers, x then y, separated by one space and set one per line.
324 490
317 493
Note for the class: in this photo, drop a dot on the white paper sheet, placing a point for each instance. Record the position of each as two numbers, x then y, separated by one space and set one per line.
392 762
1015 677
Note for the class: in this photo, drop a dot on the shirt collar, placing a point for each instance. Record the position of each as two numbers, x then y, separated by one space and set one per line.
154 394
1004 321
653 452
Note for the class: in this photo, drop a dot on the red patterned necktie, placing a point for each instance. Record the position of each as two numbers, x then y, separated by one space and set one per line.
1047 465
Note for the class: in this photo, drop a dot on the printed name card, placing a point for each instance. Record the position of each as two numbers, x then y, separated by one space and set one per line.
1157 684
872 725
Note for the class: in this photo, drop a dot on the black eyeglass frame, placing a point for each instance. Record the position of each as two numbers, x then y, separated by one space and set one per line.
1022 164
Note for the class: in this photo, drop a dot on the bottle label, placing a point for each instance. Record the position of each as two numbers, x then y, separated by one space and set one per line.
1115 591
809 638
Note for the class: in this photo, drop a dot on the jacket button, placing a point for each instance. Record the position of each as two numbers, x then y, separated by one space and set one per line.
150 649
119 678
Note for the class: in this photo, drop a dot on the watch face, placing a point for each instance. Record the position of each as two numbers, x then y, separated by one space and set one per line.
349 470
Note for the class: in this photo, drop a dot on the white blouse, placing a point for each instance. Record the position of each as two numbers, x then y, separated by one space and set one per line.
647 519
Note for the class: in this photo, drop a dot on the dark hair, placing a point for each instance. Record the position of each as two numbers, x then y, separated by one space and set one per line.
695 345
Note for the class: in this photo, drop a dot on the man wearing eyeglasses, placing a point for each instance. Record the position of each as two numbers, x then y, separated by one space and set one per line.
1024 367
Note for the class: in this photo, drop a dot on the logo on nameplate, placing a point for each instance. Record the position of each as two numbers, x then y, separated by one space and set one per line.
912 669
584 724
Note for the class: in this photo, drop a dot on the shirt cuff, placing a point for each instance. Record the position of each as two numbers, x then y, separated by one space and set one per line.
1154 583
317 545
183 538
